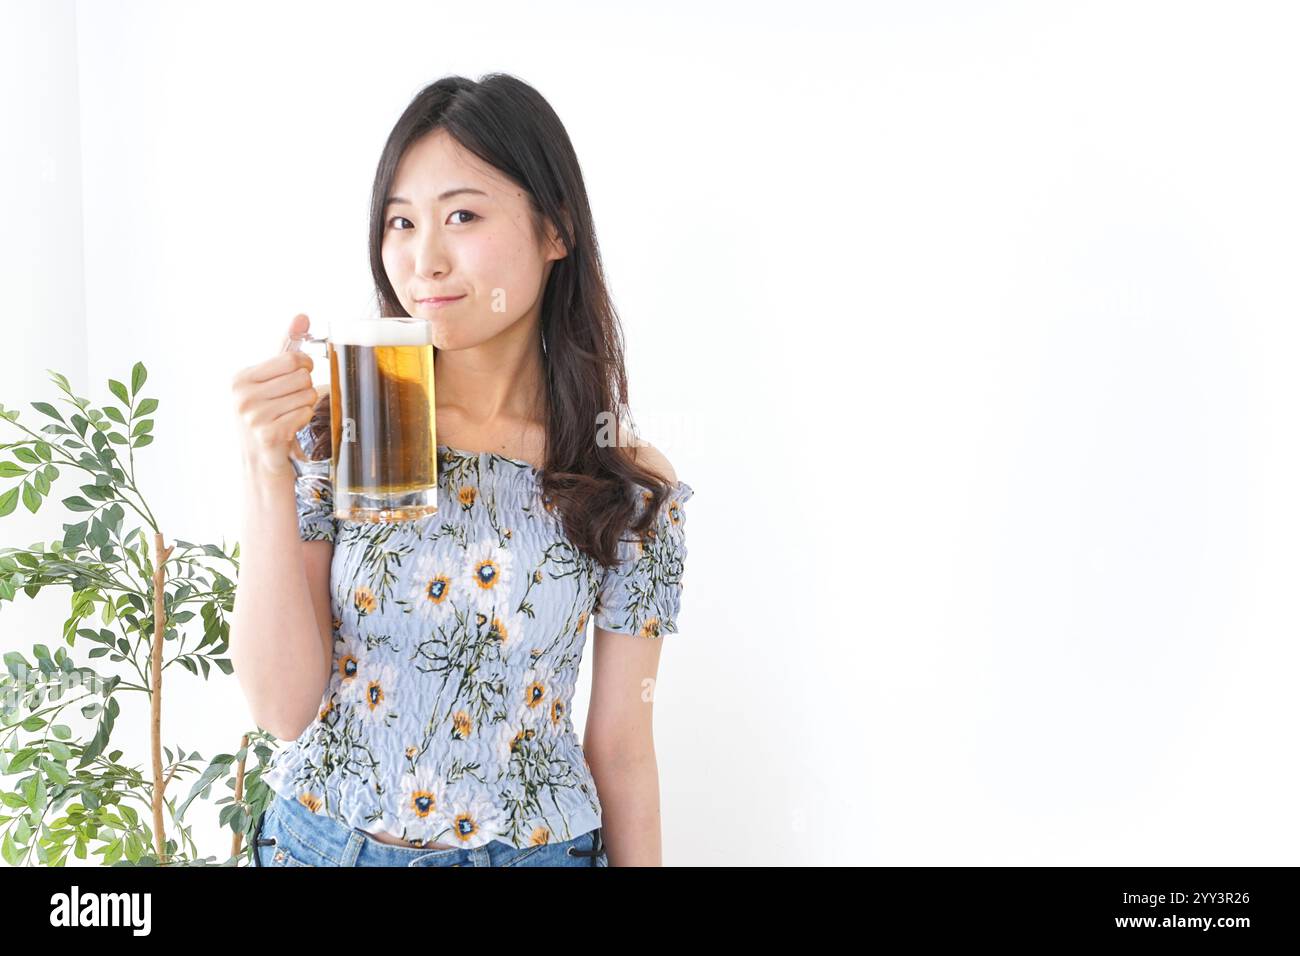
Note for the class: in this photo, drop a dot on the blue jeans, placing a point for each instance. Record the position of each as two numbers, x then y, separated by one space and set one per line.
289 834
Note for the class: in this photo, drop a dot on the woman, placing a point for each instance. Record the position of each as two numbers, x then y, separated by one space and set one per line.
424 670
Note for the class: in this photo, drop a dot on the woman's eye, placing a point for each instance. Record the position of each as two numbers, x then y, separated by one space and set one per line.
458 212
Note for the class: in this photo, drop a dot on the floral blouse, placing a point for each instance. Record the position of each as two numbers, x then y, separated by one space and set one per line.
457 643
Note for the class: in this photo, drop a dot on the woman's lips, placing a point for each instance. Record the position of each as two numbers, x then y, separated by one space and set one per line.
439 302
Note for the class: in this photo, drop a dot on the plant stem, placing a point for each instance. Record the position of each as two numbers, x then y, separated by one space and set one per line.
161 555
238 839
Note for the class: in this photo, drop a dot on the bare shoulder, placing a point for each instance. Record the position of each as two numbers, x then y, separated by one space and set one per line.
648 456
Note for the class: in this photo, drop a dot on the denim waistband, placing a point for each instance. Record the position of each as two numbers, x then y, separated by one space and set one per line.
343 845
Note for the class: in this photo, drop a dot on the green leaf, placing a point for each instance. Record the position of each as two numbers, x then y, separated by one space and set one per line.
147 406
43 450
31 498
23 453
138 375
97 492
16 664
8 502
42 483
214 771
97 743
35 790
114 414
46 408
118 389
9 469
75 503
142 441
25 758
60 381
142 427
74 534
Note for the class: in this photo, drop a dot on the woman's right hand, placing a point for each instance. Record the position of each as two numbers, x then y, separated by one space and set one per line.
274 400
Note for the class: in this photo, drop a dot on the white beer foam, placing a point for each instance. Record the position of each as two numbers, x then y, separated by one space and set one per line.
376 332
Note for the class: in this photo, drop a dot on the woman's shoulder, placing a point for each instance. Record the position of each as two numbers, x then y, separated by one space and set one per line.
652 459
656 462
647 455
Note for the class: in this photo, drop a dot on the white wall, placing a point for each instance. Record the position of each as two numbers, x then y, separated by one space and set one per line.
42 276
41 265
971 326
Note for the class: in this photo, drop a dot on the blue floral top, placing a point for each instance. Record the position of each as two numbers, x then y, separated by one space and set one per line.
457 643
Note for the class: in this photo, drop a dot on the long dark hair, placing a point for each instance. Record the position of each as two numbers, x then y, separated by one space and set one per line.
509 125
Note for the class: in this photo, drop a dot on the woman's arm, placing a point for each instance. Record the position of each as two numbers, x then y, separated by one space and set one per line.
281 638
281 630
619 745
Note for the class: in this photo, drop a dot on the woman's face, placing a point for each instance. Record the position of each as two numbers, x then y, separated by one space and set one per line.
477 243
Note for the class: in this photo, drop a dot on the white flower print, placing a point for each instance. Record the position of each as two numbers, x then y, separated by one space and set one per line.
517 726
510 629
539 688
431 593
371 691
472 816
347 659
487 575
420 812
556 710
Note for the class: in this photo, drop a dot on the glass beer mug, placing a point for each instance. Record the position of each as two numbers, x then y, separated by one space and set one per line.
383 440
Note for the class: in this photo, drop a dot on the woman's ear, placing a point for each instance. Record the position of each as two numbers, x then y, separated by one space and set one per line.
556 248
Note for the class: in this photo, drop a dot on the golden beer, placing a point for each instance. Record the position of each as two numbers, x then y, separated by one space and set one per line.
382 419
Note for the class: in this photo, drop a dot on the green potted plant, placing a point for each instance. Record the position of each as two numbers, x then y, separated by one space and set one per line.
137 608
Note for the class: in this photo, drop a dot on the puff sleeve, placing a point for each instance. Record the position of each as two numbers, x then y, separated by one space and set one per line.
641 595
314 491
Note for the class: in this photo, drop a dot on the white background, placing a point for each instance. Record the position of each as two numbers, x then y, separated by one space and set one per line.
971 325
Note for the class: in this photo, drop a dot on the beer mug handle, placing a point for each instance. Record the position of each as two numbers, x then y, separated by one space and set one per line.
299 343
